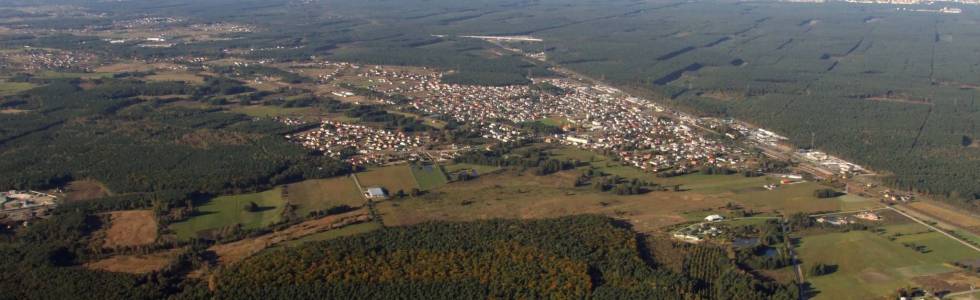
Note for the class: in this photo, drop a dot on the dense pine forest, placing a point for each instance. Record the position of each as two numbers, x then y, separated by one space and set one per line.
570 257
113 133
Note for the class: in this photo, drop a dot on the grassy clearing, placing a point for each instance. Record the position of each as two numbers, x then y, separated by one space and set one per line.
554 121
789 198
268 111
692 182
870 266
177 76
335 233
947 214
429 176
10 88
63 75
227 211
392 178
130 228
82 190
322 194
509 194
480 169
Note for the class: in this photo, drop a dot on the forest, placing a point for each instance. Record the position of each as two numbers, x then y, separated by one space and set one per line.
137 146
589 257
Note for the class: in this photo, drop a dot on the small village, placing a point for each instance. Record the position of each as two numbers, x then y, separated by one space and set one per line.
360 144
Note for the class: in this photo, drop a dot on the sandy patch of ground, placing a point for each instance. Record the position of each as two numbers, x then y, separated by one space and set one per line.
130 228
134 264
81 190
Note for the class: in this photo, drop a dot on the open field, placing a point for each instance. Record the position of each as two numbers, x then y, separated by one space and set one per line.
10 88
511 195
268 111
133 66
946 214
692 182
480 169
429 176
348 230
81 190
131 228
799 198
177 76
134 264
869 265
321 194
236 251
60 75
392 178
227 211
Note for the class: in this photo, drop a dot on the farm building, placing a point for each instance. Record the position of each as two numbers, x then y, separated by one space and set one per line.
376 193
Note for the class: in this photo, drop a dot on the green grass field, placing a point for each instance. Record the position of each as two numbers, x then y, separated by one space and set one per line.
871 266
10 88
799 198
392 178
429 177
229 210
321 194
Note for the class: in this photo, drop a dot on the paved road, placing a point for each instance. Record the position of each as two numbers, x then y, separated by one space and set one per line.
935 229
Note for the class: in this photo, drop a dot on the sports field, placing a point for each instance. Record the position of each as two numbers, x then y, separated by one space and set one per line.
392 178
871 266
321 194
227 211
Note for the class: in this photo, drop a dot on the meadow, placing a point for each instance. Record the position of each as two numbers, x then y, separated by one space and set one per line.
10 88
869 265
322 194
391 178
225 211
429 176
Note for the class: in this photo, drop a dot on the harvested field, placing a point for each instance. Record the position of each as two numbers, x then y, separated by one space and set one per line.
950 215
236 251
81 190
134 264
130 228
